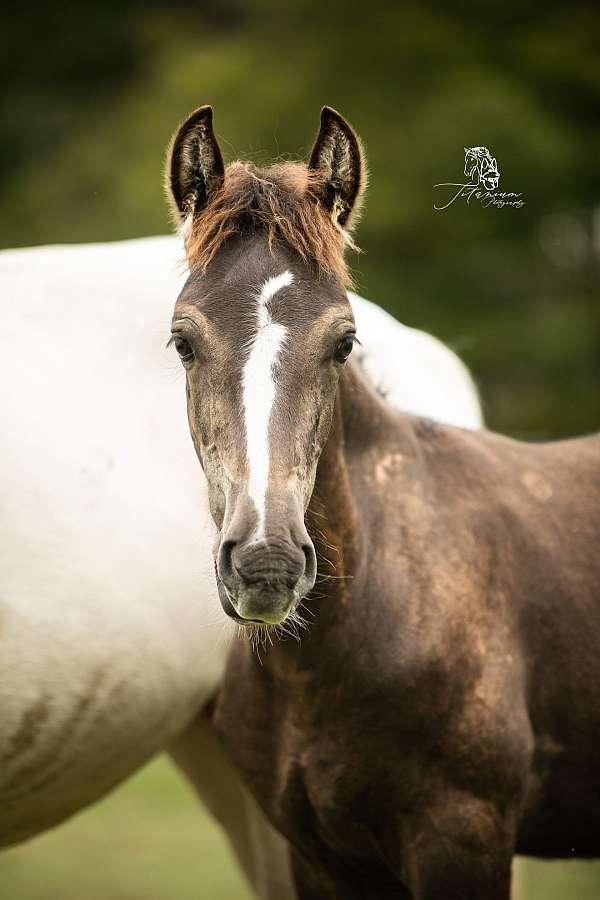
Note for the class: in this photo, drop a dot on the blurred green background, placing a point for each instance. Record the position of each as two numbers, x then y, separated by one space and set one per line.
90 96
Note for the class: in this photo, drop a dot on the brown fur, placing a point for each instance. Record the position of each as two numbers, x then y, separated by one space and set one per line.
282 201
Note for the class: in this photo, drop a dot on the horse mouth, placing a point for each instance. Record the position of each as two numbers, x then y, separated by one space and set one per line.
273 616
229 608
246 622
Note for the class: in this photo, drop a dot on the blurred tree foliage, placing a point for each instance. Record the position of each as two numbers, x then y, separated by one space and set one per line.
92 93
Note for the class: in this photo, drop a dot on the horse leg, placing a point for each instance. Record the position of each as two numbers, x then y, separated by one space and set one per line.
262 853
323 875
459 848
460 851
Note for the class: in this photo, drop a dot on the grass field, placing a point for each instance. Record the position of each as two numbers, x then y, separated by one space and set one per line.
151 840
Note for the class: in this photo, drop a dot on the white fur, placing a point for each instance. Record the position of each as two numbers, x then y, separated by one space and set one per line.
107 595
107 588
413 369
259 391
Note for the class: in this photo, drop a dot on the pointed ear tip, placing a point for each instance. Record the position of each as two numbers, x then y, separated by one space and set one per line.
204 112
200 114
328 112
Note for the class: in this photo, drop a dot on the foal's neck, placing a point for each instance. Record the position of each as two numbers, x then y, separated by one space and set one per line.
362 427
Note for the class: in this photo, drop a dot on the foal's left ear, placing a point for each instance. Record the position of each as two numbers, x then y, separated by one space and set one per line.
194 164
338 156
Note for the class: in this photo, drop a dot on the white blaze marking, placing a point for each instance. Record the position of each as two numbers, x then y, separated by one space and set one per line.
259 393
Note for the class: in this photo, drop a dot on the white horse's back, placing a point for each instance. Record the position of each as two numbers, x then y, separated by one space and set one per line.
413 369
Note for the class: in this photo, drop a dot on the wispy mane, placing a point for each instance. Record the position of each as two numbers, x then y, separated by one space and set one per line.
282 201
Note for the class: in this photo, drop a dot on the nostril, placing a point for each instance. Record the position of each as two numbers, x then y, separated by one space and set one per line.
225 558
310 561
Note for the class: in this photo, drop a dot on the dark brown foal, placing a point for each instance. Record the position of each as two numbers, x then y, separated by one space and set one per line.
442 709
442 712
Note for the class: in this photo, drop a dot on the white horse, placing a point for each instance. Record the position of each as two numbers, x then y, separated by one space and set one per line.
110 651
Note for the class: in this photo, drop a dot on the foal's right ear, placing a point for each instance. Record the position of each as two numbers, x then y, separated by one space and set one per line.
194 164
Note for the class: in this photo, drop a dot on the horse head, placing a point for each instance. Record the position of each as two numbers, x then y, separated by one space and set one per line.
263 327
481 166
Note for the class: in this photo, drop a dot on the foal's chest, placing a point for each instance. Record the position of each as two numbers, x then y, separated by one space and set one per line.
326 770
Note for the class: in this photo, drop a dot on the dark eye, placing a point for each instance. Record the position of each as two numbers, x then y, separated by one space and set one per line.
344 348
183 348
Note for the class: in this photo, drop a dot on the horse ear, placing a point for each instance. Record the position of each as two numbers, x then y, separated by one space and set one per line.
338 156
194 164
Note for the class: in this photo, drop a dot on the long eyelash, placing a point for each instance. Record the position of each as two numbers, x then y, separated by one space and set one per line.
169 342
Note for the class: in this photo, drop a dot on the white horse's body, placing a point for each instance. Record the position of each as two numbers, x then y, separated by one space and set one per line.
111 634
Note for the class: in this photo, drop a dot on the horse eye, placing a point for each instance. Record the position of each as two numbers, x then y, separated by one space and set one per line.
183 348
344 348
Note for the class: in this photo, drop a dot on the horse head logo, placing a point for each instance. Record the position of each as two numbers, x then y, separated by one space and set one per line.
481 167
